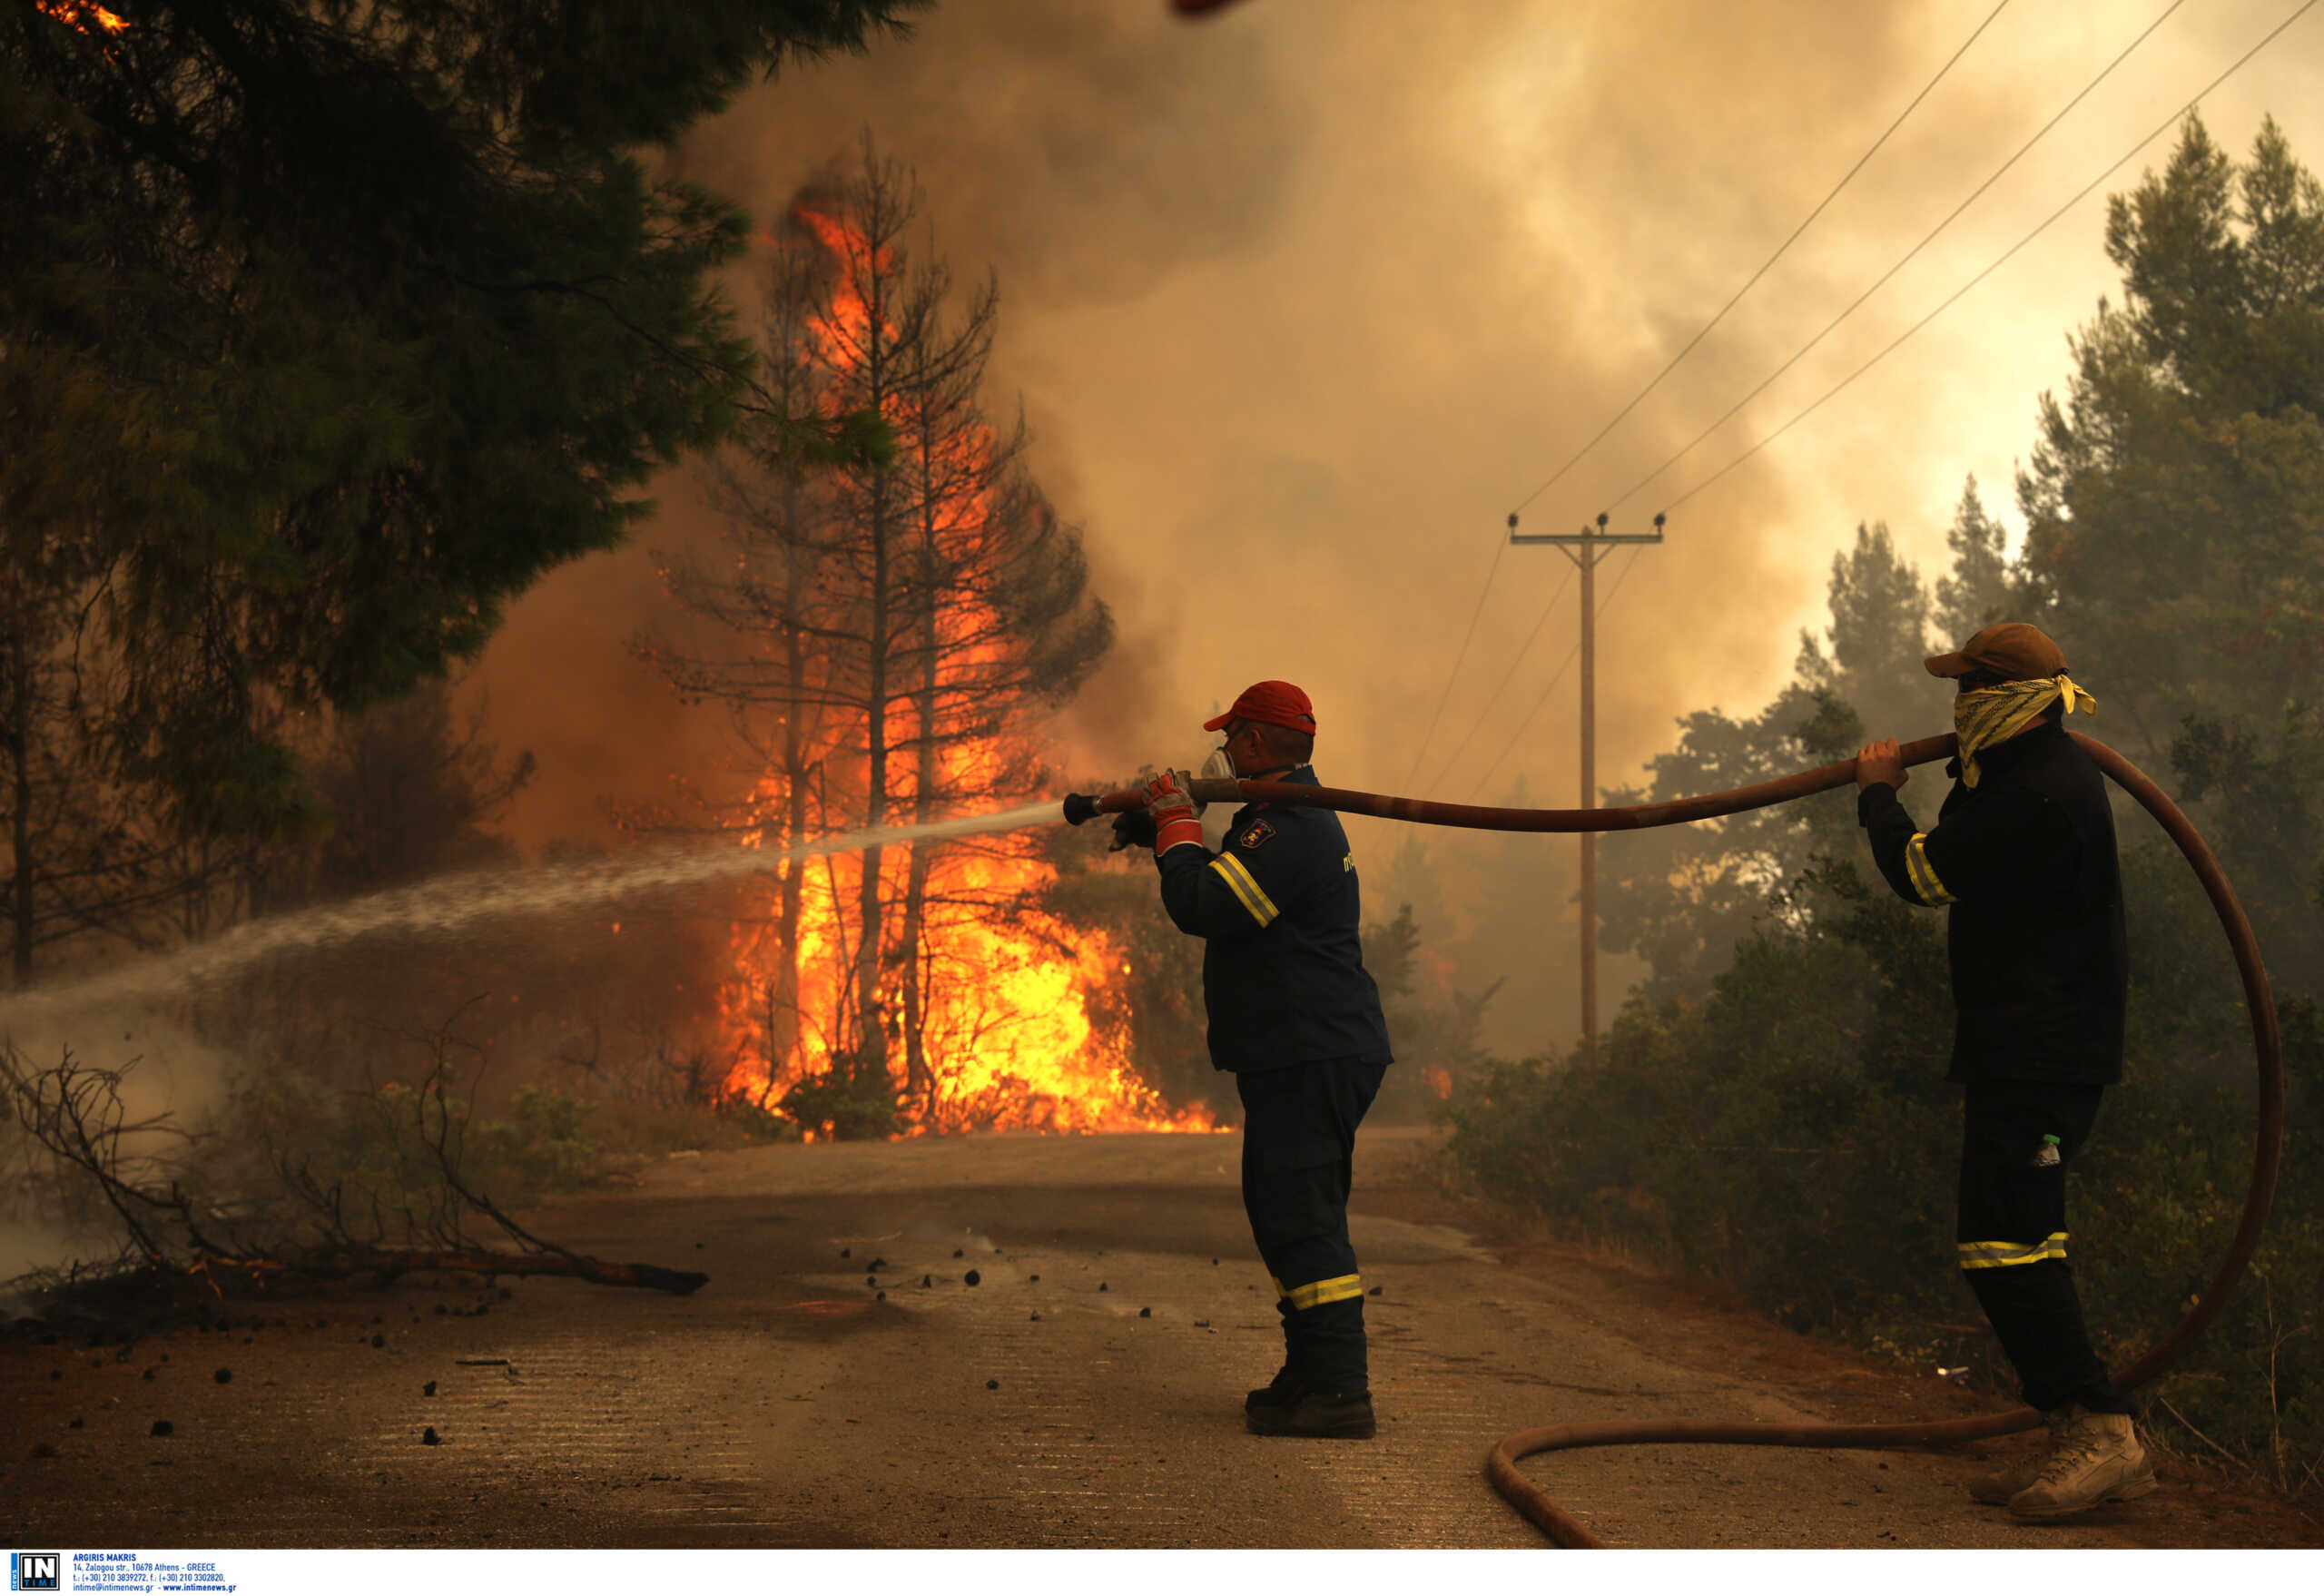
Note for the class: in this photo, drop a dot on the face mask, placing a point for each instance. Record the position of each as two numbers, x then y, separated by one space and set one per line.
1220 764
1988 715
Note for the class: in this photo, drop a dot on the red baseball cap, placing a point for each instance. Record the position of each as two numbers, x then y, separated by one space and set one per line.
1279 704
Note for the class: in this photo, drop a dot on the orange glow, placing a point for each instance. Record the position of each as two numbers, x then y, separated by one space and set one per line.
1009 1029
1022 1021
79 13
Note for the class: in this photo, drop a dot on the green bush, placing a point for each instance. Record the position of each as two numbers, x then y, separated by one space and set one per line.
374 1164
850 1102
544 1148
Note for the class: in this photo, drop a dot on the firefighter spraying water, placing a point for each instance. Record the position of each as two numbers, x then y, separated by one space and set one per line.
1296 1019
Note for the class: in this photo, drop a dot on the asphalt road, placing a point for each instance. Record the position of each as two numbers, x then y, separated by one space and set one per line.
841 1383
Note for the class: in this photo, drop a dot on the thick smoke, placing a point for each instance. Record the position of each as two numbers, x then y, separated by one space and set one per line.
1302 300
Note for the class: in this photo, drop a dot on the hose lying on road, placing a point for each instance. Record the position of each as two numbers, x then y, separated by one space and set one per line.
1501 1464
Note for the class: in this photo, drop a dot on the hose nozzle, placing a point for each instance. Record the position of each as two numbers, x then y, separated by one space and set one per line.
1081 808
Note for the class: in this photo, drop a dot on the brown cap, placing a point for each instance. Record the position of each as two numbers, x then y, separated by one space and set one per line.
2012 650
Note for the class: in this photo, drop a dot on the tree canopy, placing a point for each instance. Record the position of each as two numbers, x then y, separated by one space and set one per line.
2174 501
325 329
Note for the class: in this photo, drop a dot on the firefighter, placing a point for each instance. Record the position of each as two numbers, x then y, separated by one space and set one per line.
2023 854
1296 1018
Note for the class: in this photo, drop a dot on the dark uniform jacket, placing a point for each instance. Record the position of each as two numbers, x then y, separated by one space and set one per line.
1283 975
2027 859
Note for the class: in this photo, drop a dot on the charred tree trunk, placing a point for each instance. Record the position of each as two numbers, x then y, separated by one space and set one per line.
798 744
919 1079
871 1041
21 881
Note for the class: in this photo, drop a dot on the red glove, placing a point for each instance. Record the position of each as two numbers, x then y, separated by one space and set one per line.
1173 809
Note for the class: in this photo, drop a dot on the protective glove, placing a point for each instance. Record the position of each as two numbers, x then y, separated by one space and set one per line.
1133 828
1176 822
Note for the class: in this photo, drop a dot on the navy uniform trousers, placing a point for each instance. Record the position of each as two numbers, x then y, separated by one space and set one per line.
1298 1159
2018 1137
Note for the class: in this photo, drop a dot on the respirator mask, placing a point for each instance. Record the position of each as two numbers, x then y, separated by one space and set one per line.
1220 765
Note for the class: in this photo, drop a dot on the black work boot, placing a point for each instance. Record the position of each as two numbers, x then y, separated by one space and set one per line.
1336 1415
1282 1390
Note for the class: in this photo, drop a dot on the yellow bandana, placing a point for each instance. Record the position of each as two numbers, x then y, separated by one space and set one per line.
1990 714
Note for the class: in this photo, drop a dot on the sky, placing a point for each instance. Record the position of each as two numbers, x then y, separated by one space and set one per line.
1304 298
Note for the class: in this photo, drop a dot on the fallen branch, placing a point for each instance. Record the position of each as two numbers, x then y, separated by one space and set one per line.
76 1113
389 1263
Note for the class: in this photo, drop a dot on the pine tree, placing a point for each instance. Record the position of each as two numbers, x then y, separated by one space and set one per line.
2174 502
1682 897
2174 511
1979 591
377 315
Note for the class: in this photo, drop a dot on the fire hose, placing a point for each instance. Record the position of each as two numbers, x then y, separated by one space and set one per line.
1501 1464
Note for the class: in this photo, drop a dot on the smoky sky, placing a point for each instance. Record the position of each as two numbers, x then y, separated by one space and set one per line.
1302 300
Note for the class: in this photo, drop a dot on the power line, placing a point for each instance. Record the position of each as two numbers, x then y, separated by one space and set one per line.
1749 282
1453 758
2160 128
1499 548
1573 653
1855 304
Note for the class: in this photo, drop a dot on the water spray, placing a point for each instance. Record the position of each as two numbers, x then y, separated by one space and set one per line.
453 903
1501 1464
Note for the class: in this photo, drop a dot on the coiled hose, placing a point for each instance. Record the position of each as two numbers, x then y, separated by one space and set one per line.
1501 1464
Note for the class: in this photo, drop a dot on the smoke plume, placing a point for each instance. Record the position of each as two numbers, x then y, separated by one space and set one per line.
1303 299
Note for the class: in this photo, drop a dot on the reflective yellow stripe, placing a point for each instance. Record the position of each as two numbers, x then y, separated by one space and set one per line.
1999 1255
1246 888
1235 880
1923 874
1316 1293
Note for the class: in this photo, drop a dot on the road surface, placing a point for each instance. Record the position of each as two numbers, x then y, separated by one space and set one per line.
839 1383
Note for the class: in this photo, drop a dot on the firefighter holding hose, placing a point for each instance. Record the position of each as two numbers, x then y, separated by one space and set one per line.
2024 855
1296 1018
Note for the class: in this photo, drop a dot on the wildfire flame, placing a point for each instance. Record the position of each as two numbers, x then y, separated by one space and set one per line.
1022 1028
81 14
1020 1020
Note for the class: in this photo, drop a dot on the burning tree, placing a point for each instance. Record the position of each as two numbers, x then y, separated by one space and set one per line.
908 614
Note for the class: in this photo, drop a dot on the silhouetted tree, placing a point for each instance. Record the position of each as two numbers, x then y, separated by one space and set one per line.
371 313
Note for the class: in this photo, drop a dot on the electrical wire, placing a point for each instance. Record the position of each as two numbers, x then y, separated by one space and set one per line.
1571 654
1501 547
1752 280
1507 677
1469 636
1882 281
2160 128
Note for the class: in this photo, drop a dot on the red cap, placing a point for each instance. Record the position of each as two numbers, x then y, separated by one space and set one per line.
1279 704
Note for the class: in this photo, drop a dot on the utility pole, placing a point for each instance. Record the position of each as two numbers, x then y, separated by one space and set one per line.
1586 548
